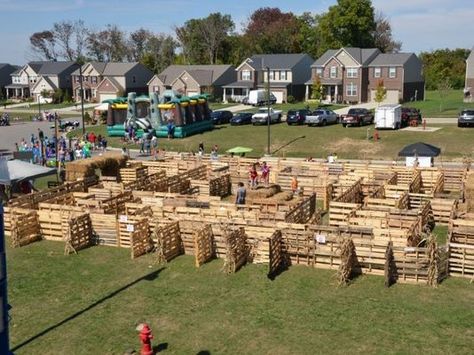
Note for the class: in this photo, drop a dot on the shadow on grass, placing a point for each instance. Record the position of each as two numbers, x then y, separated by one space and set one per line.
160 347
148 277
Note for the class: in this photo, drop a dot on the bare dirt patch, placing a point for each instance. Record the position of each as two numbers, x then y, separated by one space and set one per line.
346 145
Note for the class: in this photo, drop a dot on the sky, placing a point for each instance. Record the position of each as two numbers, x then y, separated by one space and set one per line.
421 25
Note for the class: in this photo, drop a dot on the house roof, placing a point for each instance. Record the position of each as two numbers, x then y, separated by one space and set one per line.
204 74
275 61
118 69
394 59
420 149
360 55
324 58
240 84
54 68
98 66
36 65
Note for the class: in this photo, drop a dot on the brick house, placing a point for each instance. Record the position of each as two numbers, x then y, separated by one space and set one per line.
102 81
53 76
351 75
469 81
288 75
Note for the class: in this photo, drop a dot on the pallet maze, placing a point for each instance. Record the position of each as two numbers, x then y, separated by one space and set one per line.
379 217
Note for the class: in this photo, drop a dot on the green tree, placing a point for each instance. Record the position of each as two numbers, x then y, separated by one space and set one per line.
45 93
202 39
444 63
349 23
380 92
383 38
444 88
317 89
58 96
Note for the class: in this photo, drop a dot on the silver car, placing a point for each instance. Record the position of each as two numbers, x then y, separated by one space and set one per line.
321 117
466 118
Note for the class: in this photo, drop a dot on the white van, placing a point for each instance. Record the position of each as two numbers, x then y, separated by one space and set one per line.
258 97
388 116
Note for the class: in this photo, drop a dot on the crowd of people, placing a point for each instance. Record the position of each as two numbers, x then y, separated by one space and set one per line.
44 150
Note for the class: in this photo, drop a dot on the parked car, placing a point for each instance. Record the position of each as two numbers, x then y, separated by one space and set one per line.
220 117
357 117
241 118
297 116
321 117
261 117
466 118
409 115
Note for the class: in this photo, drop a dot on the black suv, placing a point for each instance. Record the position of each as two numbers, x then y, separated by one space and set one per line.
297 116
466 118
220 117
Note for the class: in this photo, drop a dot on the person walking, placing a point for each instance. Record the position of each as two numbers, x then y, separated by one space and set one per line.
241 194
253 174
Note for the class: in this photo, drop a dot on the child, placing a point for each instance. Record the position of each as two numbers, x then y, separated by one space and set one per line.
294 185
253 176
265 173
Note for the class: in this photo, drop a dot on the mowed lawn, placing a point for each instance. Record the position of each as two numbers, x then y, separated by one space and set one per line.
318 142
90 303
435 105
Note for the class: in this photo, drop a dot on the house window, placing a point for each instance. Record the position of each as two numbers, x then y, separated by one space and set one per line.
272 75
352 72
283 75
377 72
319 72
392 72
86 78
76 78
351 89
333 72
93 79
156 89
134 79
246 75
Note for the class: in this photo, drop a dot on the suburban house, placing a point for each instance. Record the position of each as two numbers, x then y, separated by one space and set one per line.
5 77
193 79
288 75
103 81
351 75
401 75
22 81
53 76
469 83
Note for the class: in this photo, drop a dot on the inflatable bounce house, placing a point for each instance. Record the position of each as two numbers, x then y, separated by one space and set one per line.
181 115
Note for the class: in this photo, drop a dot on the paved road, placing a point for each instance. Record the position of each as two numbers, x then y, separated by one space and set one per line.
13 134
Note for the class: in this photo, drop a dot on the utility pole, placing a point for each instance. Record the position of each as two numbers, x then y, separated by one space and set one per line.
268 110
82 98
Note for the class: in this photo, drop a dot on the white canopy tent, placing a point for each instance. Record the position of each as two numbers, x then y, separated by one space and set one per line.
102 107
13 171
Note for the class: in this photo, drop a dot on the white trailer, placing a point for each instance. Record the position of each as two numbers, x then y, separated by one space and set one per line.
388 116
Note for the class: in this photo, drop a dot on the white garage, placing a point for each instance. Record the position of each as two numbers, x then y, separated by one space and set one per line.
392 96
191 93
279 96
107 97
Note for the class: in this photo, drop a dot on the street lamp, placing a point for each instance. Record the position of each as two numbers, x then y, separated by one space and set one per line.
268 110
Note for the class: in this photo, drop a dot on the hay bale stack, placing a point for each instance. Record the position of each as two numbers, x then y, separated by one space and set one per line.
108 163
263 192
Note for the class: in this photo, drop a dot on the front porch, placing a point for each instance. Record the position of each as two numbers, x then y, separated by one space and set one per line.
88 94
330 93
17 92
235 94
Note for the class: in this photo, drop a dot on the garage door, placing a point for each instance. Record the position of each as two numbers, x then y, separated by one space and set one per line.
279 96
192 93
107 97
392 97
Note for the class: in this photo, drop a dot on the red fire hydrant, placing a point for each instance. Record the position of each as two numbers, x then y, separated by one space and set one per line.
376 135
145 338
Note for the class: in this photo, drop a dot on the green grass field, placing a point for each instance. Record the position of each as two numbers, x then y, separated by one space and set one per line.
435 106
318 142
90 303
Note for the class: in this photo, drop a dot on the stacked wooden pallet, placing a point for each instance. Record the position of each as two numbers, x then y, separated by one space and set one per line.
132 174
461 248
24 227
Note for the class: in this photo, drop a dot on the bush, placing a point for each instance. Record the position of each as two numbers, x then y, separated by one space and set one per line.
290 99
87 118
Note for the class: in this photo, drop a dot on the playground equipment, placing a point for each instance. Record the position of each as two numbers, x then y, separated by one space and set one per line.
187 115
